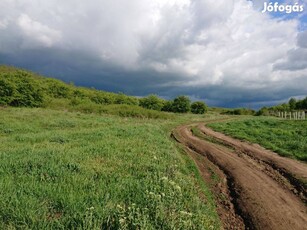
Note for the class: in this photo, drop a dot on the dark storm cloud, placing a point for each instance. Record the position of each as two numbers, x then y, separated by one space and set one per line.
302 39
85 70
222 52
296 59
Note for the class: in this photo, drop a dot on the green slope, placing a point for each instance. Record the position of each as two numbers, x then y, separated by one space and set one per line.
21 88
69 170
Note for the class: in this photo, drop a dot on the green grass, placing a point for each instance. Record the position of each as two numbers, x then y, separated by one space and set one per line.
69 170
286 137
122 110
196 132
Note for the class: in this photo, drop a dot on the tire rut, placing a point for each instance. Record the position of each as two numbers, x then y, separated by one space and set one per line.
258 191
288 172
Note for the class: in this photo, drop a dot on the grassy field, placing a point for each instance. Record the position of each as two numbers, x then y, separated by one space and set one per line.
69 170
288 138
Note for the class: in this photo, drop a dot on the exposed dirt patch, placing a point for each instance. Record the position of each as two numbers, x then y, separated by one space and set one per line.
290 173
260 184
218 184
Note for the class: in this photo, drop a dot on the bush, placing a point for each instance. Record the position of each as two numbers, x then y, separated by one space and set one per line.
168 106
240 111
101 98
57 89
152 102
198 107
181 104
263 112
134 111
6 91
124 99
27 94
19 89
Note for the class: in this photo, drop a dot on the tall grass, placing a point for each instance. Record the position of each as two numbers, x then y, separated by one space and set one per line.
69 170
288 138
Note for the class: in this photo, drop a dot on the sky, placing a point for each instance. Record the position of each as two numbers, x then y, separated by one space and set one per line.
226 53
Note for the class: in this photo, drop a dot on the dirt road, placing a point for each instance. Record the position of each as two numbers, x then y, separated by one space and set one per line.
265 191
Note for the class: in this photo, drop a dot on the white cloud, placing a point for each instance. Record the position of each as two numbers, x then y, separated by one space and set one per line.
227 43
34 30
3 24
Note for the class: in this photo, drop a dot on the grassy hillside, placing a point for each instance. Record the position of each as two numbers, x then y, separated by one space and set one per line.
21 88
70 170
288 138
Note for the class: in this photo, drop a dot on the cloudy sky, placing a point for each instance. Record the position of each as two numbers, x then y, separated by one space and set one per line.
226 52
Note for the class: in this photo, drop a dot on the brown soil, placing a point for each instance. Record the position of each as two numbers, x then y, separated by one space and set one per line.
262 189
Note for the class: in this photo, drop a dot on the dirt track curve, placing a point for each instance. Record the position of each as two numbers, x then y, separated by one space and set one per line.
265 191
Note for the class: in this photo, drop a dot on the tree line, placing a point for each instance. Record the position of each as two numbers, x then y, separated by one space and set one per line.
292 105
20 88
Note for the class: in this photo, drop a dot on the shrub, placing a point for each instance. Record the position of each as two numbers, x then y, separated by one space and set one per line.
263 112
19 89
57 89
6 91
152 102
124 99
133 111
181 104
101 98
240 111
168 106
198 107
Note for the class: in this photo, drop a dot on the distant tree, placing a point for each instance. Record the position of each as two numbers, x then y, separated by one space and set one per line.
168 106
198 107
181 104
304 103
152 102
282 107
240 111
264 111
292 103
